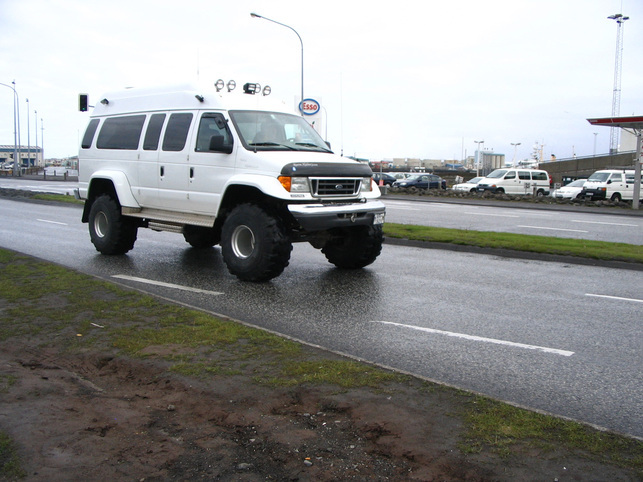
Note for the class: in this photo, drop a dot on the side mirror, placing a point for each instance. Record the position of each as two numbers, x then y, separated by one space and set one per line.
217 145
609 181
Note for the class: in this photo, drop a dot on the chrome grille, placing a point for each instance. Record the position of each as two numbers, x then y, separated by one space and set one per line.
335 187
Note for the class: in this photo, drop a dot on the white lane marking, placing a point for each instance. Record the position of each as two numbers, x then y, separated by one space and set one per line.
402 208
165 285
51 222
553 229
545 349
603 222
614 297
496 215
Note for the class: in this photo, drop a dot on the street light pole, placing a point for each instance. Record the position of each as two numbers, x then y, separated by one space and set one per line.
28 139
478 157
36 130
15 129
254 15
515 149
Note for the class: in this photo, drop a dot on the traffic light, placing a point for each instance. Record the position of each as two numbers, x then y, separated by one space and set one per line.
82 102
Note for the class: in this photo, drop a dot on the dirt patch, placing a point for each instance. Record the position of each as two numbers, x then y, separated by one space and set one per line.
99 417
81 403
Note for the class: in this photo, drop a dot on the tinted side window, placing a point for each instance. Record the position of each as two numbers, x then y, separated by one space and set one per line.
524 175
511 175
539 176
89 133
212 126
153 132
121 132
617 177
177 132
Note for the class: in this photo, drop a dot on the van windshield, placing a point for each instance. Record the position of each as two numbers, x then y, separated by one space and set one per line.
276 131
599 177
497 174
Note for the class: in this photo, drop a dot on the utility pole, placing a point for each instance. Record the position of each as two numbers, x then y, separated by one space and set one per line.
616 95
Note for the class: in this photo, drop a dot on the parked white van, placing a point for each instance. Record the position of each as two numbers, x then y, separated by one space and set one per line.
613 184
224 168
516 181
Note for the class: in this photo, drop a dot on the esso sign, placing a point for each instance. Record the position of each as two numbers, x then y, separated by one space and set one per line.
309 107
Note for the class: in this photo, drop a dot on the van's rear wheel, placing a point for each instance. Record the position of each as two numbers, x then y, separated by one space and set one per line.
356 247
200 237
254 244
109 230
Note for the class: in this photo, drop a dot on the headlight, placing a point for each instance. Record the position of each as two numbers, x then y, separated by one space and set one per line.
367 184
294 184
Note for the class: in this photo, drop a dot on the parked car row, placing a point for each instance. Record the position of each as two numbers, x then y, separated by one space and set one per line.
422 181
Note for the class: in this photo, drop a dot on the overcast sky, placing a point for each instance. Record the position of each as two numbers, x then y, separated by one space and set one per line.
397 79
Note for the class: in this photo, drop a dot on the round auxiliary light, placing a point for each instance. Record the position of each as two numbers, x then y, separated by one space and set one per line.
219 84
266 90
231 85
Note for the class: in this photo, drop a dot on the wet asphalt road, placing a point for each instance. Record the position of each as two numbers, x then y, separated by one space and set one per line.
552 336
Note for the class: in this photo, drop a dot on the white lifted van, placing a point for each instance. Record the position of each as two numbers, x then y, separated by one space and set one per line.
228 169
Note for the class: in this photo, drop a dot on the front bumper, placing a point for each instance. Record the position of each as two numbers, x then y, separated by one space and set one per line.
319 217
594 193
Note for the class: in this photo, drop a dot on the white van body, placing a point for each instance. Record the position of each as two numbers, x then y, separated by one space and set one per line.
232 169
613 184
516 181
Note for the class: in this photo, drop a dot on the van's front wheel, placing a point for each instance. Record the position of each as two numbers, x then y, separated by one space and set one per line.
111 232
254 244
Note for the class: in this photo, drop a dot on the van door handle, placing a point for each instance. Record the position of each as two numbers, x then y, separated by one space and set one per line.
162 171
191 173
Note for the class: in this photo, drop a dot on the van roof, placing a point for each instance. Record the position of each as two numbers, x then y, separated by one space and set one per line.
181 97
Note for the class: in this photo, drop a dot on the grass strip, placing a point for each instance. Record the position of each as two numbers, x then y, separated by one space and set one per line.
521 242
58 198
45 304
10 464
502 427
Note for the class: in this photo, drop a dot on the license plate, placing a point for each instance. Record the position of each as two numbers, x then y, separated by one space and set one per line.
379 218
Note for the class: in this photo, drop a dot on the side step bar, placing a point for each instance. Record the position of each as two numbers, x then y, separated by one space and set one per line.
168 220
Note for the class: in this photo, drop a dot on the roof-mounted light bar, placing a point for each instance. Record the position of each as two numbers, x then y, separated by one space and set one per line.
248 88
220 84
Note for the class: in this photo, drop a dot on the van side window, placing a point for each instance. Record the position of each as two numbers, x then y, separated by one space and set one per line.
511 175
89 133
524 175
177 132
213 134
121 132
616 177
153 132
539 176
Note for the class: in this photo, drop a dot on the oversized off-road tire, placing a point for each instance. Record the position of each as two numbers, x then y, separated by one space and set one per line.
109 230
200 237
353 248
254 243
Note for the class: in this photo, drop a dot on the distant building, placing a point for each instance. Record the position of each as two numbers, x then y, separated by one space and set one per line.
487 161
30 156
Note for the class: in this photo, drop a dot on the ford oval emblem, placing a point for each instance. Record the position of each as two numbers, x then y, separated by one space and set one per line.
309 107
339 187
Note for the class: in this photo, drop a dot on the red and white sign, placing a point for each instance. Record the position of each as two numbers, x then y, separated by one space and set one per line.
309 107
